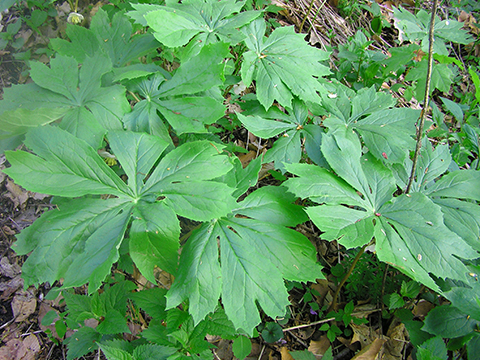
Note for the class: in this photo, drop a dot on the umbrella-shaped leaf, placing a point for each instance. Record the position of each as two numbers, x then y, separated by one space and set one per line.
93 108
288 148
249 249
210 20
173 98
112 37
86 234
270 60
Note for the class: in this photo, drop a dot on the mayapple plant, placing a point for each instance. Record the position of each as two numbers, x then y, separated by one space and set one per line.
348 153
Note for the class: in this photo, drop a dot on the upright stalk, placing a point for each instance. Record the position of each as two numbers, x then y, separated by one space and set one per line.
306 16
421 123
333 305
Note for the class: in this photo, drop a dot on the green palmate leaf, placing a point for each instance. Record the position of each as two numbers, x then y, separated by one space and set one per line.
113 38
173 97
270 60
93 109
386 132
409 230
86 233
286 149
353 226
249 248
81 166
64 235
154 238
419 243
16 122
207 21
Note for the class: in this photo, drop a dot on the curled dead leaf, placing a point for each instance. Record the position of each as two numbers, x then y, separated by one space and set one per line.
370 351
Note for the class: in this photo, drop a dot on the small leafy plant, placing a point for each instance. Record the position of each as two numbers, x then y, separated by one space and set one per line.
153 102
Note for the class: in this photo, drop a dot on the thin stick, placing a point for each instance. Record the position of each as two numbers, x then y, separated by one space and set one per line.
316 14
427 94
261 352
333 305
324 321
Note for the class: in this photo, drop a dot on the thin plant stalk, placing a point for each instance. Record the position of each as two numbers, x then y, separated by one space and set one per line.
333 305
316 14
423 114
306 16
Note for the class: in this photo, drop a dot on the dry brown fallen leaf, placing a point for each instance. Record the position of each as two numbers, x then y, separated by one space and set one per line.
7 269
285 353
422 308
20 349
319 347
370 351
10 287
23 305
394 346
16 194
363 334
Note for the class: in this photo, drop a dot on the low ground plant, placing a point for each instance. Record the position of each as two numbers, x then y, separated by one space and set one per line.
124 127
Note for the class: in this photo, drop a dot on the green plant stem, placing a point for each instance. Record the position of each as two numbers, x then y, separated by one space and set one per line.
421 124
306 16
333 305
316 14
